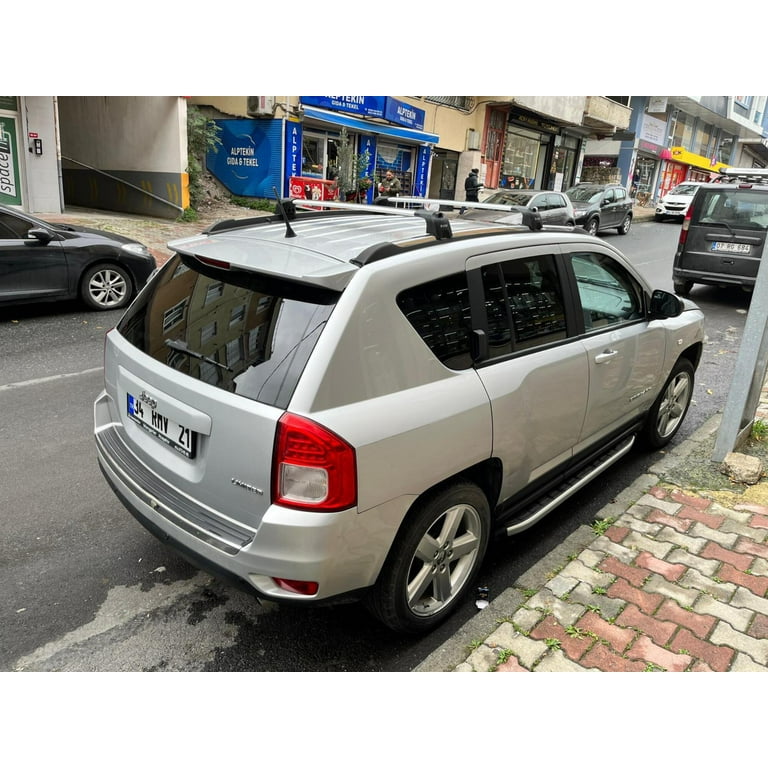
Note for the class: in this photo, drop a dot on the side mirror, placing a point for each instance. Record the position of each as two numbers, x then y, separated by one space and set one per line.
665 304
41 235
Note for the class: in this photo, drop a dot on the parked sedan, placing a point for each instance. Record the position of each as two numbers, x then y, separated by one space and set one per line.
40 261
553 207
601 206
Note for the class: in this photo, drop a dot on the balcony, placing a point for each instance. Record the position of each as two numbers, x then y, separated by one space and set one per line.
605 116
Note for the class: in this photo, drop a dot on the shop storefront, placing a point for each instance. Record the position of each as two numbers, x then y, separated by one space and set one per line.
683 165
299 157
400 145
536 155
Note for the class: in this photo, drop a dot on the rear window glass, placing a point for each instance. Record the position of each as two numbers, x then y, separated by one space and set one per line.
733 208
233 330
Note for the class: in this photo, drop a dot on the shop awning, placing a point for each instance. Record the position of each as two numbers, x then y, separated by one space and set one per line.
363 126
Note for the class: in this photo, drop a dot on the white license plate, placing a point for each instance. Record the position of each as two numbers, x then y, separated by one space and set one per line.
179 437
731 247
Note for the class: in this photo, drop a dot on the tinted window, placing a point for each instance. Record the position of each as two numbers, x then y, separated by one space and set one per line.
735 208
608 294
233 330
524 304
12 227
439 311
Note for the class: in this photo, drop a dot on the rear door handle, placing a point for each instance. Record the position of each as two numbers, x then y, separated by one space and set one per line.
606 356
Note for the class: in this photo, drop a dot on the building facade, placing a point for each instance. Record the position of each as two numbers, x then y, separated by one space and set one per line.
130 153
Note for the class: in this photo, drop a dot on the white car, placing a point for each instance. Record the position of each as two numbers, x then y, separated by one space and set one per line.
675 203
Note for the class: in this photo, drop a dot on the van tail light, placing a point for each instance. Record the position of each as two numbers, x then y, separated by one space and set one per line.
313 468
684 229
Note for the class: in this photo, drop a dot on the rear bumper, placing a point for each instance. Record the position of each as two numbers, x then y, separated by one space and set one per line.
711 278
341 551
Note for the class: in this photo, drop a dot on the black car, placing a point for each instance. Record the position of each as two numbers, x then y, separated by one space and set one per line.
601 206
40 261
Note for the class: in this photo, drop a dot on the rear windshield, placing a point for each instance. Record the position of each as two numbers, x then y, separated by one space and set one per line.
733 208
234 330
685 189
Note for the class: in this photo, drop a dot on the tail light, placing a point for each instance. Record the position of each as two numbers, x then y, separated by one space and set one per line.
313 469
684 228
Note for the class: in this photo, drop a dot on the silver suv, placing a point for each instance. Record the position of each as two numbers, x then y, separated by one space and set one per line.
351 402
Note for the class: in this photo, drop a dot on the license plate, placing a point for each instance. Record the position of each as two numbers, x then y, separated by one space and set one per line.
731 247
179 437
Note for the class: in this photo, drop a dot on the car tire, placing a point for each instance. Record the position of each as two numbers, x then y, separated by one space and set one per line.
625 225
106 286
658 217
668 411
433 559
682 287
592 226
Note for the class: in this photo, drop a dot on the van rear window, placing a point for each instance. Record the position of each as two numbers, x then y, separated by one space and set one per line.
232 330
733 208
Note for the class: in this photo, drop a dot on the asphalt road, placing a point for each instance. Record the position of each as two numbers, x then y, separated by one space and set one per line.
86 588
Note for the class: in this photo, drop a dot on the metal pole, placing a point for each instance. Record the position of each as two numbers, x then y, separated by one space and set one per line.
751 364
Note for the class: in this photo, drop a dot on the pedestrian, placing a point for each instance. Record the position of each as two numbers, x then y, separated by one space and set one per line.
390 185
472 186
636 179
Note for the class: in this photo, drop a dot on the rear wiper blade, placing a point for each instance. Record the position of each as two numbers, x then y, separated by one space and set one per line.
180 346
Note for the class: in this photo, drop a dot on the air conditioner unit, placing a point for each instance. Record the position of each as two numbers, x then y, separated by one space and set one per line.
259 106
473 139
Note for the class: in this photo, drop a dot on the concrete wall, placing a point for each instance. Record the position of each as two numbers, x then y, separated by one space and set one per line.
41 172
125 153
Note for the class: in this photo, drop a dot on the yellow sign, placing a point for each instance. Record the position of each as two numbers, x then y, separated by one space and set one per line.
681 155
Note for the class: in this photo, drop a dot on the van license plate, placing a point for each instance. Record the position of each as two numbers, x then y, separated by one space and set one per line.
731 247
179 437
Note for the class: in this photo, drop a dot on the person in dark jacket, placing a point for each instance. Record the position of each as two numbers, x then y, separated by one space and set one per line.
472 186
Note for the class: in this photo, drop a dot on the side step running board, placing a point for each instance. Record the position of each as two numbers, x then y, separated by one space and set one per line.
545 505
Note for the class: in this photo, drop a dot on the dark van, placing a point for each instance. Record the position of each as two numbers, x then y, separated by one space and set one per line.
723 233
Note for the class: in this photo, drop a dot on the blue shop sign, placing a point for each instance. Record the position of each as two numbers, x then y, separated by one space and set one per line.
400 113
365 106
250 158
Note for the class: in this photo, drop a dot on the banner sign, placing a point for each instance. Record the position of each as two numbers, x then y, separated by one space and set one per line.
10 192
362 106
397 112
422 172
249 160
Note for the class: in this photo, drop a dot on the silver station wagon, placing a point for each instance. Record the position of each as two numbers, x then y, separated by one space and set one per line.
349 402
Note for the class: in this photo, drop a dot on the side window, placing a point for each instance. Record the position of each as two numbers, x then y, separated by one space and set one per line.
609 294
609 196
439 312
620 195
13 228
556 201
524 304
541 202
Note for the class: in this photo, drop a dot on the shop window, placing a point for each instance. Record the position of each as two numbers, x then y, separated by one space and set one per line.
521 155
398 159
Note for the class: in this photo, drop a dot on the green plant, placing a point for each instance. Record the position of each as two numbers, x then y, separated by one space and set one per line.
553 642
352 167
503 655
759 430
202 137
601 526
254 203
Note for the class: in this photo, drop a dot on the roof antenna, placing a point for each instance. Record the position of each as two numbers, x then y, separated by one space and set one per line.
287 211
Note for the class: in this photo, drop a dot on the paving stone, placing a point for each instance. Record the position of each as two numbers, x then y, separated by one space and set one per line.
562 584
707 567
669 507
697 623
645 544
725 634
745 663
608 607
726 540
527 651
695 580
680 541
738 618
579 572
557 661
619 551
684 596
743 598
645 649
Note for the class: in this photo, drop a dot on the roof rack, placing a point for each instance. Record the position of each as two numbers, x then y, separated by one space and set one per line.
753 175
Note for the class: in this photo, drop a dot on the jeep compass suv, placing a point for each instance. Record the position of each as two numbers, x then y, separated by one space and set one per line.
350 402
